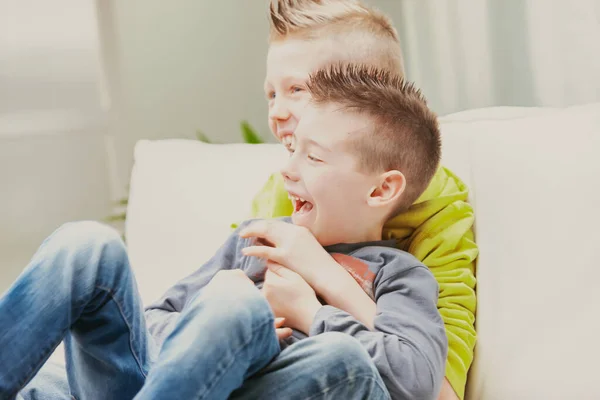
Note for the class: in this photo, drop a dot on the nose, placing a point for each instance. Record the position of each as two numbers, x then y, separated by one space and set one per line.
279 111
289 171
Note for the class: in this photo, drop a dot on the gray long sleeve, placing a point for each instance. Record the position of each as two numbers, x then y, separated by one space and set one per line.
408 344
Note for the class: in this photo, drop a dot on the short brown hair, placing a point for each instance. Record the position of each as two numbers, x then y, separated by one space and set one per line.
368 34
404 134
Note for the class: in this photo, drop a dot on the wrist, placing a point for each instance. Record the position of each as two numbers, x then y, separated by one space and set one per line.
328 274
309 312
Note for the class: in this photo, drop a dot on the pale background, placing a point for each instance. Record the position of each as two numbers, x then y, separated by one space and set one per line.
82 81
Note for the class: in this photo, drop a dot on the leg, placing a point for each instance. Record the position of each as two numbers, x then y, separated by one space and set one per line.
79 287
218 342
328 366
50 383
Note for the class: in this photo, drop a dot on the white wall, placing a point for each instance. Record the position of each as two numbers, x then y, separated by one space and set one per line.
179 68
52 122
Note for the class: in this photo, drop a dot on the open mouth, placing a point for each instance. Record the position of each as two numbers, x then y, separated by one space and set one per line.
301 206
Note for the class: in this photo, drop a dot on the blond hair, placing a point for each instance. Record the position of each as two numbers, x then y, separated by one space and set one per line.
404 134
367 36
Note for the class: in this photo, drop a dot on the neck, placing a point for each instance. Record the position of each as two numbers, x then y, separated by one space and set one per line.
364 234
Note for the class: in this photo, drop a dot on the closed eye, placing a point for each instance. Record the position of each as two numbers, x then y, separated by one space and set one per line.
313 158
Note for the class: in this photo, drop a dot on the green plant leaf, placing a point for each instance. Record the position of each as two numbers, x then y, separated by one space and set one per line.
202 137
117 217
123 202
249 134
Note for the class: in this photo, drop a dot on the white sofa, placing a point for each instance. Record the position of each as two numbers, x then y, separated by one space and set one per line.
535 187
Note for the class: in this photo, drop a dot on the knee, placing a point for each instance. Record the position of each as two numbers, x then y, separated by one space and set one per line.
233 309
85 235
86 243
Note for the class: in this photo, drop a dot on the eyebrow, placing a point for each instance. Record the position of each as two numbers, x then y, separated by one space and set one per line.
317 144
287 80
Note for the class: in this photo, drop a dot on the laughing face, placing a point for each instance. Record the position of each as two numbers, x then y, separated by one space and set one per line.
289 63
329 193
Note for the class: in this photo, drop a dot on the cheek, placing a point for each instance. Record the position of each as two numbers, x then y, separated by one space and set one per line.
297 108
272 127
333 192
341 193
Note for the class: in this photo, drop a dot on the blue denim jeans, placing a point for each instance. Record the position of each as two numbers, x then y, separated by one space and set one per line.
79 288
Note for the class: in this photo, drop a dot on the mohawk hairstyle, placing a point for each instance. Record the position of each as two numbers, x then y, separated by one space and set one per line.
289 16
404 133
366 35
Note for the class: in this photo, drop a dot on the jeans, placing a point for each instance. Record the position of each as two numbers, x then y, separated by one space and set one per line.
80 288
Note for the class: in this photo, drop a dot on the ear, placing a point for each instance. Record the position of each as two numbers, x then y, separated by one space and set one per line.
390 188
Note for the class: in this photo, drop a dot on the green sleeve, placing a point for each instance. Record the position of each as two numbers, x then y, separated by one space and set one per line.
272 201
437 230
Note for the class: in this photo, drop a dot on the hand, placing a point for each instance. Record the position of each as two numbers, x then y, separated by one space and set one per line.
292 246
282 332
290 297
447 393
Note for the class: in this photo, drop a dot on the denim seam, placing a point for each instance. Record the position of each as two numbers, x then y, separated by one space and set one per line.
241 348
111 294
369 377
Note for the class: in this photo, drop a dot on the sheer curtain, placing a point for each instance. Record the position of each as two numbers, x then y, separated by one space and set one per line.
468 54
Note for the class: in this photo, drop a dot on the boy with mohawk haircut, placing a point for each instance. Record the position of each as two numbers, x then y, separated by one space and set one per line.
215 335
308 34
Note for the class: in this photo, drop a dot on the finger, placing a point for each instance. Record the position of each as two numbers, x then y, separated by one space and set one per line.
279 322
266 252
255 228
283 333
270 230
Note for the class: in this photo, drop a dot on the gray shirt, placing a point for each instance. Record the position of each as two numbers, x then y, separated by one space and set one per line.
408 344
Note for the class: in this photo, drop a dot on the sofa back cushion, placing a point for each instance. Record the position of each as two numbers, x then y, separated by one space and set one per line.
535 186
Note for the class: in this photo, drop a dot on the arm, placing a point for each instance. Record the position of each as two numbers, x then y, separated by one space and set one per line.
162 315
408 345
337 287
339 290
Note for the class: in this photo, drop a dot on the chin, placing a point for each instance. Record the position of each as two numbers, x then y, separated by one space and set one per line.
298 220
309 224
322 237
